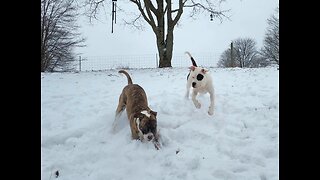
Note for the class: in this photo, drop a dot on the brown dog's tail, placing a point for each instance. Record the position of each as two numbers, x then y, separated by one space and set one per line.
125 73
193 61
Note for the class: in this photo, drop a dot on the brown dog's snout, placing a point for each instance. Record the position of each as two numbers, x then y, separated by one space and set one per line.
150 137
193 84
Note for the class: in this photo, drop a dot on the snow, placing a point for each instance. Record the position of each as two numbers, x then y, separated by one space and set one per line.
240 141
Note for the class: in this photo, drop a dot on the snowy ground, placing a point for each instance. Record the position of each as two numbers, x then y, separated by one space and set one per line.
240 141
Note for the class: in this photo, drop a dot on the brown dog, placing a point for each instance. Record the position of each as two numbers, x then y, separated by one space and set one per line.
143 121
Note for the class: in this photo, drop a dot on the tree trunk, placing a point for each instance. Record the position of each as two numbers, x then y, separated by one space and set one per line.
164 45
164 61
165 50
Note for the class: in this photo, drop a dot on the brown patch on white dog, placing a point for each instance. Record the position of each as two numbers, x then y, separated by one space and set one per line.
143 121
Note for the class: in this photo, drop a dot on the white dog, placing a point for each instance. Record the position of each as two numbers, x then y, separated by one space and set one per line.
200 80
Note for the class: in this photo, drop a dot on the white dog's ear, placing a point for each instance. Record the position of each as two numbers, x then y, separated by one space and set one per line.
192 68
204 70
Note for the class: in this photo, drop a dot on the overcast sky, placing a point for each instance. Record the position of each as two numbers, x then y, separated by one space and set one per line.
248 18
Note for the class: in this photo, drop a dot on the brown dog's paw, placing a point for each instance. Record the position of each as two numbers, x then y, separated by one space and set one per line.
156 142
157 145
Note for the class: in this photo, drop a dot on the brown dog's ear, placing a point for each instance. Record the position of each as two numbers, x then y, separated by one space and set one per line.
192 68
153 112
137 115
204 70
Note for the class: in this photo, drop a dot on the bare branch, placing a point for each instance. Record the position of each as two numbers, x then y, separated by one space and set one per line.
149 21
151 6
148 6
136 22
180 11
207 7
94 8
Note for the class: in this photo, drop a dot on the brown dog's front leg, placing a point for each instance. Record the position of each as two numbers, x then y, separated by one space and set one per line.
156 142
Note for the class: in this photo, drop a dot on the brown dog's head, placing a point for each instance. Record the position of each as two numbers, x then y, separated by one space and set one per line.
146 122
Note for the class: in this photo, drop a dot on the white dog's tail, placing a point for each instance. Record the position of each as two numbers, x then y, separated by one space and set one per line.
128 77
192 60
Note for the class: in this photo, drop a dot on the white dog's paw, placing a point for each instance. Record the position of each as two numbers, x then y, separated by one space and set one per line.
210 112
197 104
186 96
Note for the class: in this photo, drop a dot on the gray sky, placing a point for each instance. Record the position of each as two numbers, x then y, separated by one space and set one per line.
248 19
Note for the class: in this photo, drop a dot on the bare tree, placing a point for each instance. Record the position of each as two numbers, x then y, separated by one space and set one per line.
58 34
270 50
259 61
244 52
225 59
163 16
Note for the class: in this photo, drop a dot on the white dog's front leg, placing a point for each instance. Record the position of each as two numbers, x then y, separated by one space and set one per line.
188 90
195 101
211 107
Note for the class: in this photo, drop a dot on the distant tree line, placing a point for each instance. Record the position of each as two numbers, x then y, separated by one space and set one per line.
59 34
243 51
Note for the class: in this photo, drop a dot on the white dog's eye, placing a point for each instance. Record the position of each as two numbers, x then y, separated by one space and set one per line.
199 77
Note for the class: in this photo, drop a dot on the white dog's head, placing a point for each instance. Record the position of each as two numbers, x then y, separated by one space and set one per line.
198 77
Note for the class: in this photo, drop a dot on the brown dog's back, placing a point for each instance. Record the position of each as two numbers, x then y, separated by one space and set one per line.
134 96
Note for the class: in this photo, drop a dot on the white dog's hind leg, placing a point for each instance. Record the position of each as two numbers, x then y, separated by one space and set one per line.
211 107
195 101
188 90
